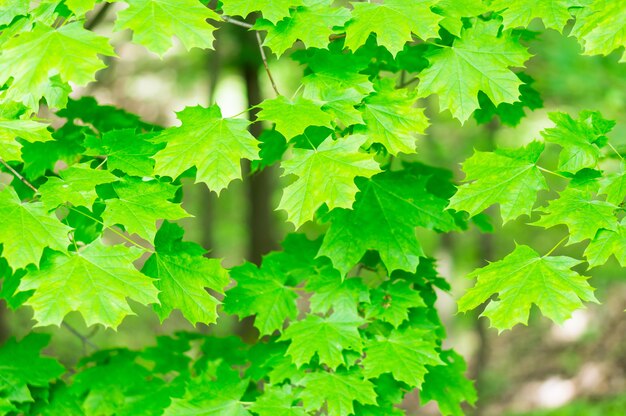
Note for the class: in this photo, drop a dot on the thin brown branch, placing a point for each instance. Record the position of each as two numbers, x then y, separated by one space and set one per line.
267 68
83 338
18 176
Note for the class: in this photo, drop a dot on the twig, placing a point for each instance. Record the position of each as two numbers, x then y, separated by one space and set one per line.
18 176
31 186
264 58
237 22
83 338
98 17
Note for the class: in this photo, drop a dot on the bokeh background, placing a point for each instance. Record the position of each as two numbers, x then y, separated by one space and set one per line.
578 368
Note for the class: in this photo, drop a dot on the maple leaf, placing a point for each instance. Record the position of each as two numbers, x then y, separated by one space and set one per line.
337 390
331 291
454 10
96 281
509 177
125 150
29 130
263 294
23 365
183 274
414 17
293 117
80 7
212 144
614 186
327 337
392 301
607 243
31 72
154 22
273 10
524 278
478 61
580 139
209 394
325 176
383 217
76 185
277 401
404 353
139 204
554 13
9 9
601 27
312 24
27 228
582 214
447 385
392 119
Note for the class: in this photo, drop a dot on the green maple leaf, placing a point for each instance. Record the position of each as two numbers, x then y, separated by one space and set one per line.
29 130
293 117
312 24
478 61
263 294
325 176
338 391
27 228
509 177
392 301
154 22
607 243
582 214
392 119
614 187
125 150
211 394
21 366
31 72
383 218
139 204
393 22
580 139
524 278
10 9
447 385
76 185
80 7
327 337
273 10
404 353
183 275
212 144
553 13
96 281
454 10
331 291
277 401
601 27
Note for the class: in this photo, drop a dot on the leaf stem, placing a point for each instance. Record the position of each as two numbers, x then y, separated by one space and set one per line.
615 150
556 246
552 172
237 22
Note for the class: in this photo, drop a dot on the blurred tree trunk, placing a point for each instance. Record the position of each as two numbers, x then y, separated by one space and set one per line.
260 185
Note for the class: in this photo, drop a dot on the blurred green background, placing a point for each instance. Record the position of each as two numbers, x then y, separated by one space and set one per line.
578 368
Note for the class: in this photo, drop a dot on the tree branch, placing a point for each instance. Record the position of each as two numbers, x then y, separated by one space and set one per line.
267 68
84 339
98 17
237 22
19 176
